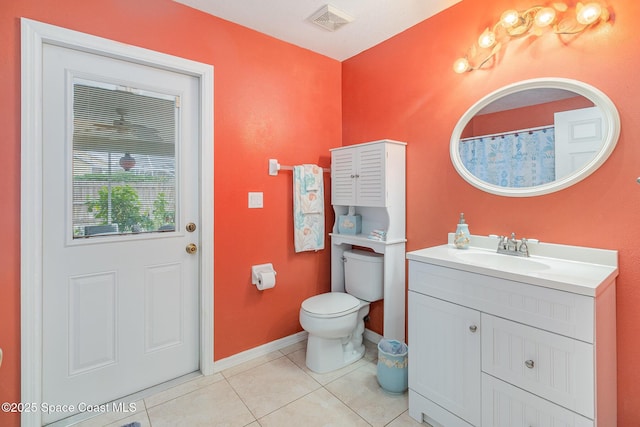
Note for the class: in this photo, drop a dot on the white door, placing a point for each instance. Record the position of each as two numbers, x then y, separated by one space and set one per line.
120 168
578 138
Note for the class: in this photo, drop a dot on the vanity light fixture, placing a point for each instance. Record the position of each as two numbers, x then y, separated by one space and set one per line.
557 18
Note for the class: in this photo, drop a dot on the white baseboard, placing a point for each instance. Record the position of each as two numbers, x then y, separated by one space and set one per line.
247 355
374 337
255 352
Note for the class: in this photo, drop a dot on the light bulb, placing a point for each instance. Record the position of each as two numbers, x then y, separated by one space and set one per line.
545 16
487 39
509 18
461 65
589 13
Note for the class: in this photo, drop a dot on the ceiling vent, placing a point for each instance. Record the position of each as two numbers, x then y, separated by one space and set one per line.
330 18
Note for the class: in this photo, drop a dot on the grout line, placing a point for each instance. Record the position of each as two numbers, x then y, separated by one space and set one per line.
225 373
277 355
255 419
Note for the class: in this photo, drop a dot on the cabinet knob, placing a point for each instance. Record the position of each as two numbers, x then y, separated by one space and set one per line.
473 328
353 176
529 364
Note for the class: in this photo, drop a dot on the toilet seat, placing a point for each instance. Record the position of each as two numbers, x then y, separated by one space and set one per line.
331 304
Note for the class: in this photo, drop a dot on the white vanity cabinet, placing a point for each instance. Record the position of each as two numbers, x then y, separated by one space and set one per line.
494 350
370 178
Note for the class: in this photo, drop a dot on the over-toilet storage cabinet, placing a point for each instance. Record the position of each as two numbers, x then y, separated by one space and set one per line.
370 177
359 175
490 352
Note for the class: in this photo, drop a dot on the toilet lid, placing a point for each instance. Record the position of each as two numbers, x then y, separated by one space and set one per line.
330 303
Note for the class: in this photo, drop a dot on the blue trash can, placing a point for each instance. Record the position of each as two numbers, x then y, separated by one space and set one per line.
393 372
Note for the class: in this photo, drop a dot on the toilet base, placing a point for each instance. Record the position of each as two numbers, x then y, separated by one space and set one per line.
326 355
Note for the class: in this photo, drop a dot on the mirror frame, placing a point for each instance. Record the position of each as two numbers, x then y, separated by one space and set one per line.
611 134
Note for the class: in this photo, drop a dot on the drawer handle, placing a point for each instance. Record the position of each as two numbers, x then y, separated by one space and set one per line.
529 364
473 328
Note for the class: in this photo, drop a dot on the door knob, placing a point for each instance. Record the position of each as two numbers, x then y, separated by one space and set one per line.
529 364
191 227
191 248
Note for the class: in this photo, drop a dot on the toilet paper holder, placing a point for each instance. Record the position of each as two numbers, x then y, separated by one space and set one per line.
261 268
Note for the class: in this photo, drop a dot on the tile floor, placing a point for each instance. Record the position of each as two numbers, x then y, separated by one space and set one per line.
274 390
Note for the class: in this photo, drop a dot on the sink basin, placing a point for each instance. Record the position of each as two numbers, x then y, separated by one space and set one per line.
501 261
573 269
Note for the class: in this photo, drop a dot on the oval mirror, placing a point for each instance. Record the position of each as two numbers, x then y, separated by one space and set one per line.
535 137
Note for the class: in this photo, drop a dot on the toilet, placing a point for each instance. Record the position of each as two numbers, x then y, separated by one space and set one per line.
335 320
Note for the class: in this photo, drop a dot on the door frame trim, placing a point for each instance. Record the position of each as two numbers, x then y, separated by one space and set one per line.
34 35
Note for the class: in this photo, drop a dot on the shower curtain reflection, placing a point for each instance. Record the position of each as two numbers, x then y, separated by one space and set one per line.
516 159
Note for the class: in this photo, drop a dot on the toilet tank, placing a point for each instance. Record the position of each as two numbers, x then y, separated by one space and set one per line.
363 275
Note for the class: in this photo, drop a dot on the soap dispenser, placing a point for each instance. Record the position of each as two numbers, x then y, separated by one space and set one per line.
462 237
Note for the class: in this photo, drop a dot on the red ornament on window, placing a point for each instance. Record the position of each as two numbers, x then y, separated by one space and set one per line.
127 162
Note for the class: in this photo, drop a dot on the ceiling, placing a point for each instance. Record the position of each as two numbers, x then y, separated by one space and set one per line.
373 20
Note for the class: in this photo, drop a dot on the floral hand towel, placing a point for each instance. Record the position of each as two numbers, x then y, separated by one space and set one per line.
308 208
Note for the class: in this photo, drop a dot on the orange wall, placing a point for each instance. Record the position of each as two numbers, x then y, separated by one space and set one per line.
405 89
521 118
272 100
276 100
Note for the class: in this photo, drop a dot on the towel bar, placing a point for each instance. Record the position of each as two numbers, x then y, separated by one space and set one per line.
274 167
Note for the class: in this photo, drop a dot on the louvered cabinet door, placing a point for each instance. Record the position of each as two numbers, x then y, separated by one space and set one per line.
343 177
370 176
358 176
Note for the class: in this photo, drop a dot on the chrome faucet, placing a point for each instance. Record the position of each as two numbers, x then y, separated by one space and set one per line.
524 248
513 246
512 243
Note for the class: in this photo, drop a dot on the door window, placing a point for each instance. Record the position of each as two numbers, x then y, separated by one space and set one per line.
124 160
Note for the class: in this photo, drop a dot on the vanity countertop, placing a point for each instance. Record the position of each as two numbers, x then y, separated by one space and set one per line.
580 270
